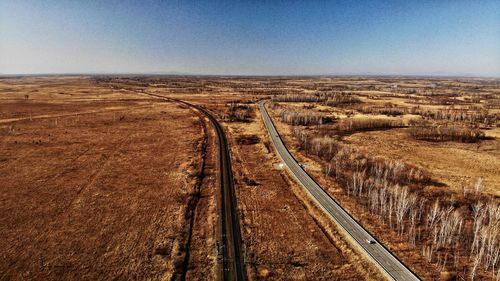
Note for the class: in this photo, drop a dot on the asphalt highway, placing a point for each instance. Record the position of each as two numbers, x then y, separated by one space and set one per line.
381 256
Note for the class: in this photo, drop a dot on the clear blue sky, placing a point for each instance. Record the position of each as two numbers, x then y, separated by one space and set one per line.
251 37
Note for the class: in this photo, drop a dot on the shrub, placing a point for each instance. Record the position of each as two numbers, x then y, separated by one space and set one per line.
247 139
238 113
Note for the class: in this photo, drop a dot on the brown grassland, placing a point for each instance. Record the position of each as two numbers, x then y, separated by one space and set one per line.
99 181
96 184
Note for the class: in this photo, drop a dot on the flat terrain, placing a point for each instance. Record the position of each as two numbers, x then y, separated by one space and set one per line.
94 188
283 238
100 181
457 165
369 148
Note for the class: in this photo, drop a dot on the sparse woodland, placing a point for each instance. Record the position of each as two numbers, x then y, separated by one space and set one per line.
304 119
456 232
471 117
449 234
237 112
446 132
365 124
326 98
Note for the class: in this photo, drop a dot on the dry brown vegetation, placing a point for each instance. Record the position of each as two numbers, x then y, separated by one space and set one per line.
304 119
366 124
101 181
405 197
98 187
237 112
446 132
283 240
392 189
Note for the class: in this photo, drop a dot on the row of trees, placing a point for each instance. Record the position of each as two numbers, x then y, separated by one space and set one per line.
492 103
384 110
458 115
472 117
446 132
461 235
304 119
341 99
436 100
344 160
363 124
297 98
327 98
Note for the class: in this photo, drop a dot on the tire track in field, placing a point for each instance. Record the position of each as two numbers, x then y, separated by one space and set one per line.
93 177
64 171
49 116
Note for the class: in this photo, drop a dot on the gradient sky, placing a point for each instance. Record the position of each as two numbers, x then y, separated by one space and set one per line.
251 37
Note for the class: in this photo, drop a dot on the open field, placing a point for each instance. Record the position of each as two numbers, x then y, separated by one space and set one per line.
98 177
95 186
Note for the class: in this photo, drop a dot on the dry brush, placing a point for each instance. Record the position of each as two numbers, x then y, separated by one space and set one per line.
459 235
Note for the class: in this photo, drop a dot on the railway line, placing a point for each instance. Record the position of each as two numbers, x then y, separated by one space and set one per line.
230 246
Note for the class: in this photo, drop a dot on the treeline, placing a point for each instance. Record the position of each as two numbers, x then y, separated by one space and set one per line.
437 100
364 124
492 104
303 119
297 98
446 132
343 161
462 235
385 110
339 99
326 98
459 115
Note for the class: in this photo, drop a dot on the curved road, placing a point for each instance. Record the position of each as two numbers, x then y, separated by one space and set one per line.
230 247
383 258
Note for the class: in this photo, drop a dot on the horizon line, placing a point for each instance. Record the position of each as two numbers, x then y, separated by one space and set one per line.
2 75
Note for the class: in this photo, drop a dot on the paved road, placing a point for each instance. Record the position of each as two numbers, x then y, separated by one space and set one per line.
384 259
230 245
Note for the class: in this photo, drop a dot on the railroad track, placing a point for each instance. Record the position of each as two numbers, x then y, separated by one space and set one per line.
388 263
230 246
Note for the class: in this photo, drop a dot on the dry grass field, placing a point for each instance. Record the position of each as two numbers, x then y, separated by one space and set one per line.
99 179
95 184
